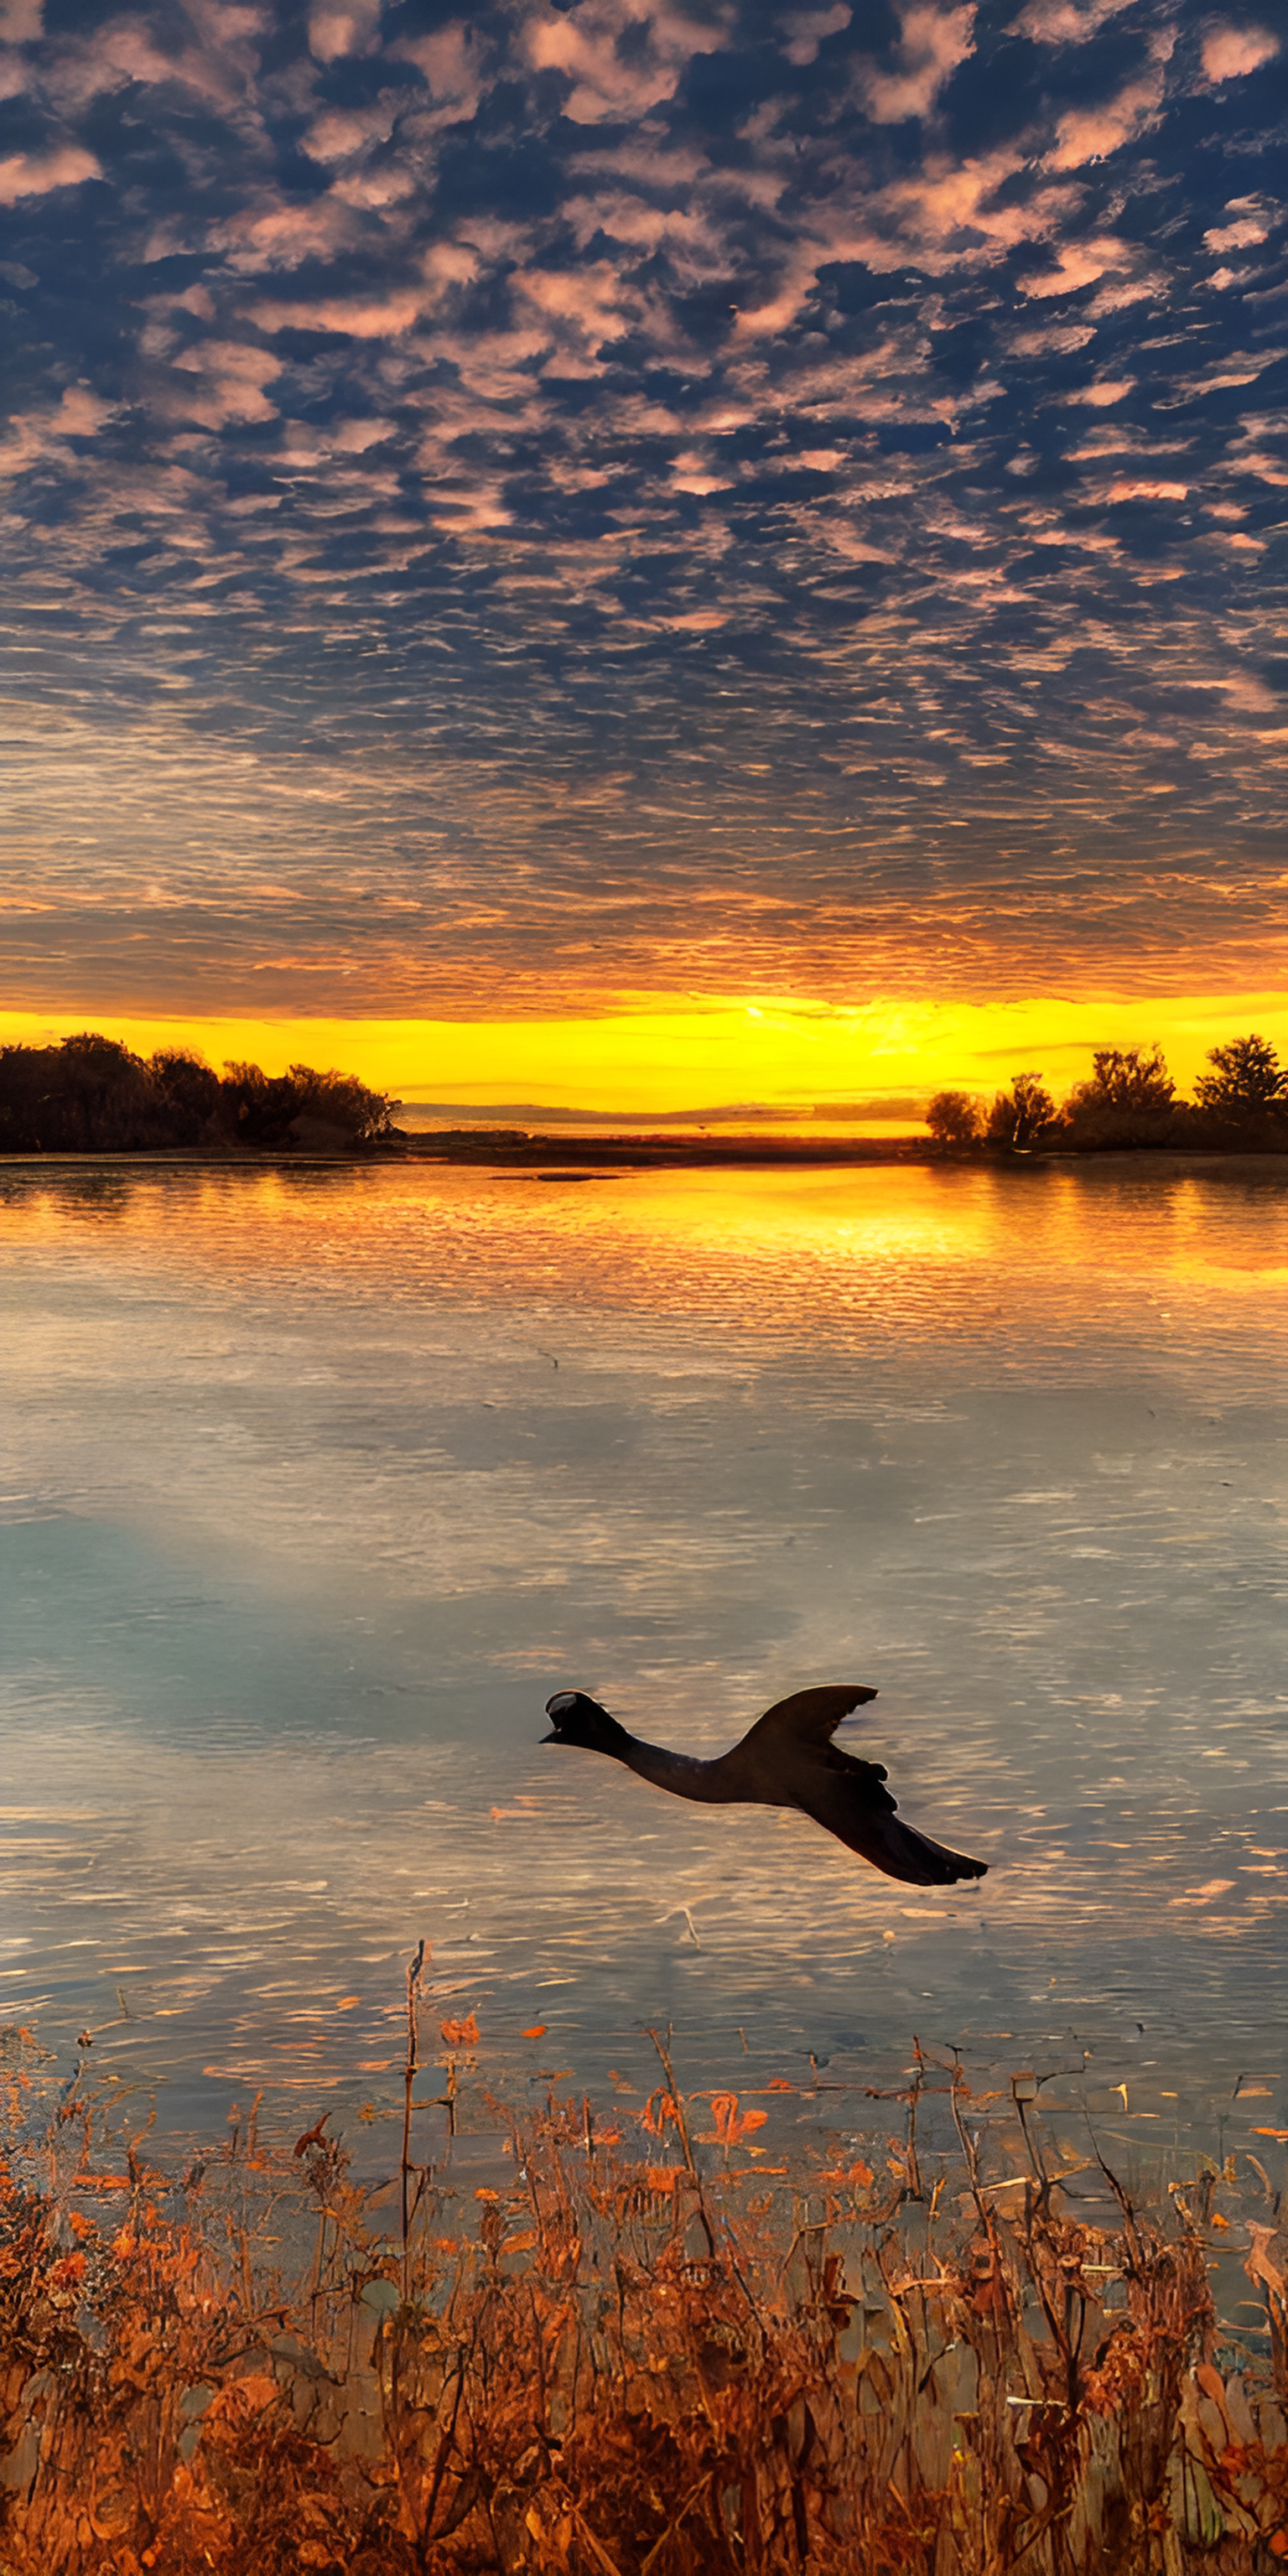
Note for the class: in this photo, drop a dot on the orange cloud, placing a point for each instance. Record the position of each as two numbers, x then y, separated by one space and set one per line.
1064 22
280 236
1231 52
339 27
23 22
78 414
1078 263
343 131
449 63
231 377
613 81
359 319
1090 133
803 30
932 42
1111 389
26 174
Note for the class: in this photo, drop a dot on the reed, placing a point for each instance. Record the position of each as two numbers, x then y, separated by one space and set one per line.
647 2351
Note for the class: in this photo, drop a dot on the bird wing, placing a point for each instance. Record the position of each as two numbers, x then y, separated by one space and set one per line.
808 1717
847 1798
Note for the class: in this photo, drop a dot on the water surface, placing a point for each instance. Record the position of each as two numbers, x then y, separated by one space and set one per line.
320 1481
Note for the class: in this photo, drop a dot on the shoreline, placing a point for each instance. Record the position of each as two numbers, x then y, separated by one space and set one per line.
543 1155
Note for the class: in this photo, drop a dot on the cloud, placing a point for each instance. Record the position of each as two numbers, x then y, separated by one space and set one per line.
219 66
587 299
1236 236
632 221
339 27
230 377
754 459
1065 22
1051 337
1110 389
1230 52
620 64
802 31
451 64
1121 436
793 287
354 317
957 214
448 264
31 436
281 236
1141 490
1090 133
21 21
35 174
932 42
340 134
1079 263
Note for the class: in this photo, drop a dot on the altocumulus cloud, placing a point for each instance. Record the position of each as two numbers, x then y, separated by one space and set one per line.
562 500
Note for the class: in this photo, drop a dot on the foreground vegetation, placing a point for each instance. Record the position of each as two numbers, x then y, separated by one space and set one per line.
647 2352
92 1096
1129 1101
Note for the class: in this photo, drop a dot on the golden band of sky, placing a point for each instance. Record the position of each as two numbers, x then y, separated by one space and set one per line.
671 1052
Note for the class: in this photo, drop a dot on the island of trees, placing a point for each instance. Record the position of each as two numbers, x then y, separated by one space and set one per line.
1130 1101
90 1095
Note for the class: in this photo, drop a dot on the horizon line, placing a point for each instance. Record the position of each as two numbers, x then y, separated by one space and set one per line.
898 1110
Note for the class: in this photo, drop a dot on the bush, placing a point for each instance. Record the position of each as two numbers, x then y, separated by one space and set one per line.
1019 1116
1246 1097
343 1101
955 1118
634 2356
1130 1100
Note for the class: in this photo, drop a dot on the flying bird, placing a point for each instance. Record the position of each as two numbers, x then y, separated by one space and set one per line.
787 1759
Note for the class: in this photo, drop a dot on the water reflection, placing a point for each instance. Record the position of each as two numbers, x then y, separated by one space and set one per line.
321 1481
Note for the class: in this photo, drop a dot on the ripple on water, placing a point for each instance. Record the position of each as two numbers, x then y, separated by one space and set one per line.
321 1481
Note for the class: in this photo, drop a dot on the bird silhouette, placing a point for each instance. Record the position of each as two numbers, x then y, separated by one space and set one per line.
787 1759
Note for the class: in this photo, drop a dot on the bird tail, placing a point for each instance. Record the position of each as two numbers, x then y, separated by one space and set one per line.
902 1852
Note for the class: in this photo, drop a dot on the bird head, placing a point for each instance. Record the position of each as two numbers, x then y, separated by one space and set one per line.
576 1719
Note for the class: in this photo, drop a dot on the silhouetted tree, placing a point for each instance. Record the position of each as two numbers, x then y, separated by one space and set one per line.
1130 1100
88 1096
955 1118
92 1096
342 1101
1249 1082
190 1088
258 1108
1018 1116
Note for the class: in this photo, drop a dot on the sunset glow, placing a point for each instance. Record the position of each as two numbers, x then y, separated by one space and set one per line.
768 1054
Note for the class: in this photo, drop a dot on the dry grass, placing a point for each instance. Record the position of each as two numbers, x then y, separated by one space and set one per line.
647 2354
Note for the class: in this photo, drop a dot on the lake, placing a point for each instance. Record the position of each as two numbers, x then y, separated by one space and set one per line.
320 1481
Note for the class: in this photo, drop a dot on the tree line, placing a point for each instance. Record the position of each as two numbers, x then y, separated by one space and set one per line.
1130 1100
92 1096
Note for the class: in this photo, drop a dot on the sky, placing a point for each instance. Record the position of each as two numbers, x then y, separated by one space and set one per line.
729 546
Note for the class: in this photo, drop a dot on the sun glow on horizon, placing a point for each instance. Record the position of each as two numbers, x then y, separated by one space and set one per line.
660 1055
